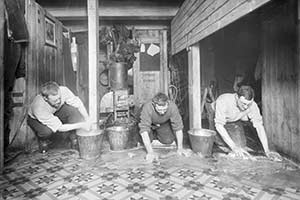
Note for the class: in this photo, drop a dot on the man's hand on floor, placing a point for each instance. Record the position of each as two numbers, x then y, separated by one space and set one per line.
150 157
184 152
274 156
241 153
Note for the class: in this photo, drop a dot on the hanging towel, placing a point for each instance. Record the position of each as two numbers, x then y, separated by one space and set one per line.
16 21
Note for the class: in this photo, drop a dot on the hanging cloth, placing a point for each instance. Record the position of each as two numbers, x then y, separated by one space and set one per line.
16 21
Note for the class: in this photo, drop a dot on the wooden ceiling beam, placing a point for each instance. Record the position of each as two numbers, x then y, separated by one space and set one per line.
115 11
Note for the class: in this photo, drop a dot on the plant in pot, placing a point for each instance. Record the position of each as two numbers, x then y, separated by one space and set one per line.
121 58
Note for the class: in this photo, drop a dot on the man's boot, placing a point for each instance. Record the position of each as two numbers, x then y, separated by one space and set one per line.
44 145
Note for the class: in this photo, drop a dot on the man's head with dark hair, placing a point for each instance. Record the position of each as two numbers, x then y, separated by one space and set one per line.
246 91
51 93
160 99
245 96
161 103
49 88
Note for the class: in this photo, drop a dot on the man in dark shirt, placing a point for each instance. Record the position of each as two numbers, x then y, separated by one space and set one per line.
160 119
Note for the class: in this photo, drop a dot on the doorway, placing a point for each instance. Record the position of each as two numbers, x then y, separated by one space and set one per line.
150 69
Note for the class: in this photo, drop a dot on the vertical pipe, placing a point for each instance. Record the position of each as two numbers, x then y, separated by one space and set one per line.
93 34
194 86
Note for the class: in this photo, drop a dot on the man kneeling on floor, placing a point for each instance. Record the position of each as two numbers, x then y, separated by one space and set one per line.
57 109
230 110
160 119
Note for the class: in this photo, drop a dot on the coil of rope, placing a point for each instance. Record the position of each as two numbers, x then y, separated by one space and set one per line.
172 92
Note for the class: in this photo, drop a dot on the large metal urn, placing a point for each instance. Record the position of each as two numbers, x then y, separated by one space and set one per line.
118 76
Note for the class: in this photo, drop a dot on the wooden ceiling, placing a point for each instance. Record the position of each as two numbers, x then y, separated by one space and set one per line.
72 10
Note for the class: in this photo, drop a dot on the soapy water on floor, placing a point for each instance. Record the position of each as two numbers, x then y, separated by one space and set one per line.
228 170
262 170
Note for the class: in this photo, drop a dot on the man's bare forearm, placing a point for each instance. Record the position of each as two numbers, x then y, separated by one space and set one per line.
263 137
179 137
83 112
70 127
224 134
147 142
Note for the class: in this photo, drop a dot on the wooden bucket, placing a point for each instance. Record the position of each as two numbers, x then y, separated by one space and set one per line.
89 143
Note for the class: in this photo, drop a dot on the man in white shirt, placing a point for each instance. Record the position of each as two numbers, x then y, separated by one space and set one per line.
56 109
231 108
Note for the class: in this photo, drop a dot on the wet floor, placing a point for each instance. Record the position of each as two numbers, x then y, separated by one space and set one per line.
62 174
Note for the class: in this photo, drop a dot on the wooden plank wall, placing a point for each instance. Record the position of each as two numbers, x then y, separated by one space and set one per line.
2 31
32 76
147 83
82 71
179 78
44 62
207 56
298 72
280 78
196 19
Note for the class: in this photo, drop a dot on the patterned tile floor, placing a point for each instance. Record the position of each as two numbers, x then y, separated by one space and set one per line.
61 174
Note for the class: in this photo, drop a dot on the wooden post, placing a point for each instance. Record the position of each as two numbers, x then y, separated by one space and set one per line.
136 74
93 34
296 139
1 86
164 62
194 86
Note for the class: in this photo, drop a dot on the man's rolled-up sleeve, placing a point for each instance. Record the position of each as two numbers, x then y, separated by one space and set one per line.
176 120
255 115
145 119
47 118
70 98
220 114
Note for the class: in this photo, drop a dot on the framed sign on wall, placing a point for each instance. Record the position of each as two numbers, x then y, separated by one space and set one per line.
50 32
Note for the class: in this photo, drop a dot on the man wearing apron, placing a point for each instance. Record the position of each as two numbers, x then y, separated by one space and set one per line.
230 110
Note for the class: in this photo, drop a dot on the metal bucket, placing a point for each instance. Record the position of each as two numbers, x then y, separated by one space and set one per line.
118 76
202 141
118 137
90 143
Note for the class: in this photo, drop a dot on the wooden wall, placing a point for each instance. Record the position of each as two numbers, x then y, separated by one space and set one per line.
207 62
44 62
179 78
280 78
2 31
298 72
46 59
150 73
279 47
83 65
196 19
